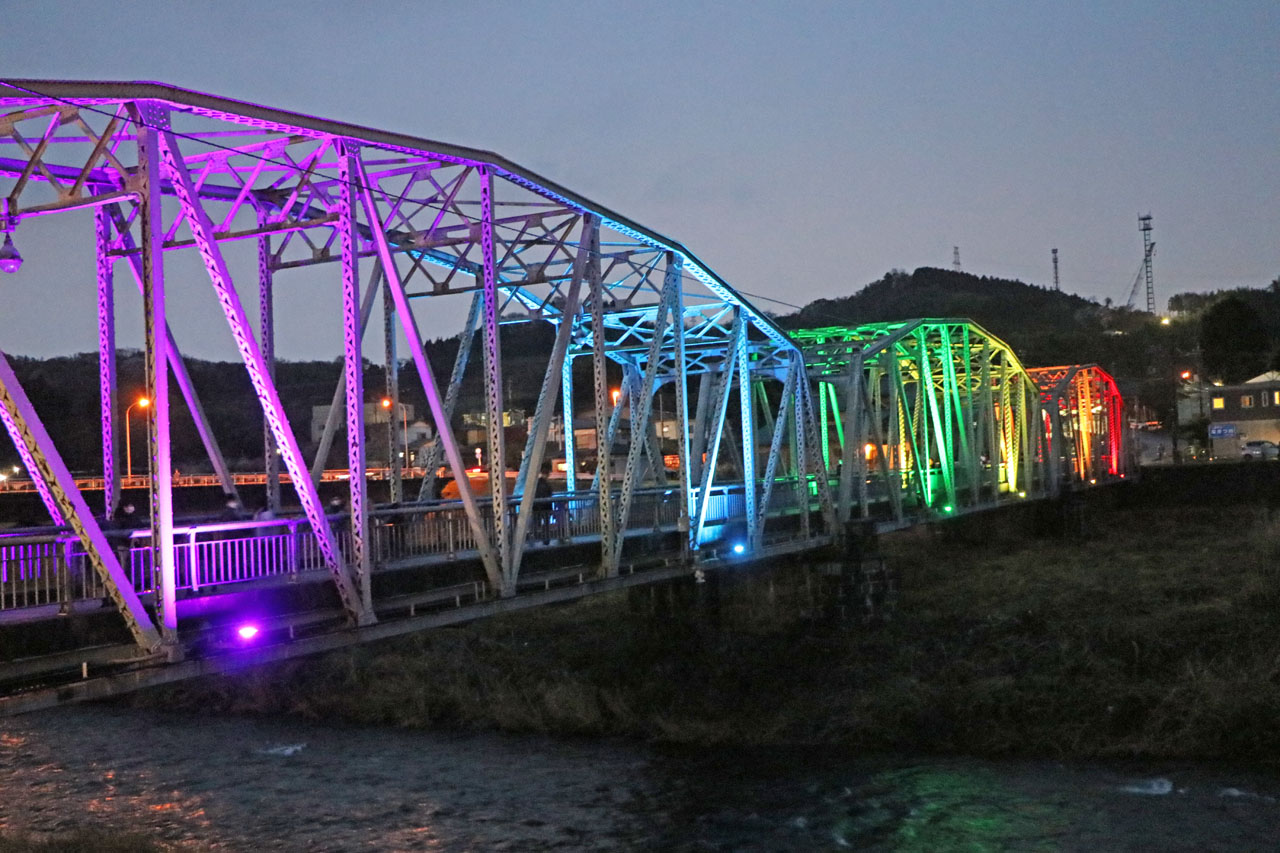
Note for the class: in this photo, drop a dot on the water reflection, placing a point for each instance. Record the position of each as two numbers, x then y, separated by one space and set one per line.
245 784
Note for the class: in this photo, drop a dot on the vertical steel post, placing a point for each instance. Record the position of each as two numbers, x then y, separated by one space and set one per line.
154 117
107 365
1026 410
775 449
850 440
1055 445
603 476
822 482
746 413
675 283
396 443
803 422
267 322
986 408
566 414
858 435
353 373
611 431
493 374
970 423
822 424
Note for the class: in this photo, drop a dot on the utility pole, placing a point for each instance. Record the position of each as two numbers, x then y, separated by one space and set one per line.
1144 225
1056 285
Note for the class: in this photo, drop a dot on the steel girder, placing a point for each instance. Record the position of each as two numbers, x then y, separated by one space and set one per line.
436 219
1084 424
931 415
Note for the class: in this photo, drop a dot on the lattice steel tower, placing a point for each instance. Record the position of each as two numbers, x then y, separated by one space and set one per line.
1056 285
955 258
1144 225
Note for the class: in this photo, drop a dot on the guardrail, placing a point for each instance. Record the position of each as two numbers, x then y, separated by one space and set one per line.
240 478
40 568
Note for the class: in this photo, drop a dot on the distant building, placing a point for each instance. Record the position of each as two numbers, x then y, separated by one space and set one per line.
475 425
376 419
1240 413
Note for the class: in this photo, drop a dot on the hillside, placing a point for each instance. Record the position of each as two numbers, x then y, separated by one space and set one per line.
1043 326
1240 338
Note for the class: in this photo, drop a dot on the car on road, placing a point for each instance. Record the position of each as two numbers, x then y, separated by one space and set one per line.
1264 450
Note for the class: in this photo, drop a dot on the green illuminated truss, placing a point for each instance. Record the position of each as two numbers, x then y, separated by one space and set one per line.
933 416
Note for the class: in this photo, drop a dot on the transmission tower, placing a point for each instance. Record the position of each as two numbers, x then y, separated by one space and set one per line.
955 257
1056 286
1144 225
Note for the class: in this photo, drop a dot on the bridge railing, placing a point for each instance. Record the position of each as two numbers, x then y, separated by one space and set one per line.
50 568
39 570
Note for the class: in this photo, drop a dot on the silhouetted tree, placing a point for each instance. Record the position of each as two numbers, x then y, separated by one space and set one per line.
1234 342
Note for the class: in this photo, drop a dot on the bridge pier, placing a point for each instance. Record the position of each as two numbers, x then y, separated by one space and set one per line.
859 587
1063 517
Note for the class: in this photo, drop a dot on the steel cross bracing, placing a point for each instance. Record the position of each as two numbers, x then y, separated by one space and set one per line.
925 417
169 169
1084 422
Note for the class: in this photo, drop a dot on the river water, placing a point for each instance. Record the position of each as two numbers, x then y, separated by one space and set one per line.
249 784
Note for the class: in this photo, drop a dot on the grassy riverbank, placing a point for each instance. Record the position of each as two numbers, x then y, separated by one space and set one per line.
1154 635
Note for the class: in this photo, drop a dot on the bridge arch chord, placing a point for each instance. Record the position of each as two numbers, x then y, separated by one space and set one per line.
1084 424
923 417
436 220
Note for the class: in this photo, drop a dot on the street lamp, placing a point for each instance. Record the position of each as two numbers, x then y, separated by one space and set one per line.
142 403
404 419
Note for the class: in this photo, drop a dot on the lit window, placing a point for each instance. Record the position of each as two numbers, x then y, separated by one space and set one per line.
1246 401
1275 397
1219 403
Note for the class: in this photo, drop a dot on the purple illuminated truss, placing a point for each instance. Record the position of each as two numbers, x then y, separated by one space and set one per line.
437 220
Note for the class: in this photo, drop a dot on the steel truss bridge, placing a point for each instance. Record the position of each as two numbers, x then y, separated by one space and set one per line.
785 439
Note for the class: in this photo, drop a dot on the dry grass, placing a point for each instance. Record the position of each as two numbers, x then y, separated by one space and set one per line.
1155 635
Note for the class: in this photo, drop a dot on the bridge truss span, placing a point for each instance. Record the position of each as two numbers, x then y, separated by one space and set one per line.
1084 424
705 432
924 418
257 193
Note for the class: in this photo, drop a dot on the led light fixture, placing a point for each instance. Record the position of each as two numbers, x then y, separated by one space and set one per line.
10 260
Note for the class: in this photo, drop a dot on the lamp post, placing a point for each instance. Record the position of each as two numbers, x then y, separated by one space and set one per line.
142 403
404 435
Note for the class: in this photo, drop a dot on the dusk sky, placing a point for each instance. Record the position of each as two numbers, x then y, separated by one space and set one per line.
801 150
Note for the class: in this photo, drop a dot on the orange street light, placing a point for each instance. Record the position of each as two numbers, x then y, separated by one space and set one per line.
141 403
404 417
615 394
